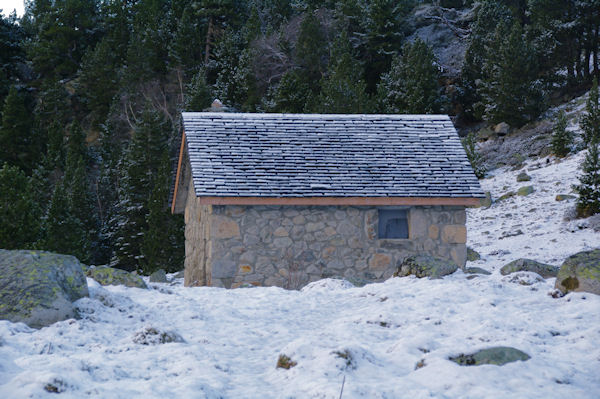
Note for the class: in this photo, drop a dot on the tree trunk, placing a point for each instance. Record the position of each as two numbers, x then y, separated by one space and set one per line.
209 33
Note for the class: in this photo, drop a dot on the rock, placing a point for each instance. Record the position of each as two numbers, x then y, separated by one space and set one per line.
523 177
179 274
529 265
523 278
485 202
580 273
472 255
158 276
498 356
454 234
525 190
476 270
154 336
110 276
565 197
380 261
38 288
502 129
486 134
425 266
506 196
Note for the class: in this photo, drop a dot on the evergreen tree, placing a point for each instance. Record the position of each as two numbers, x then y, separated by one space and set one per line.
292 94
412 84
19 211
187 45
11 53
589 183
18 144
562 139
162 244
198 94
473 156
311 49
510 89
140 167
590 122
343 91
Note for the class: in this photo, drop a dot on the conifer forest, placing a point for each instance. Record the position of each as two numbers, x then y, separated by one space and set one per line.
91 93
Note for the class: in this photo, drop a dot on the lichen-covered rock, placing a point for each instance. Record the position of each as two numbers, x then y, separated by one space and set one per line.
564 197
476 270
485 202
529 265
38 288
523 177
525 190
110 276
580 273
425 266
472 255
497 356
158 276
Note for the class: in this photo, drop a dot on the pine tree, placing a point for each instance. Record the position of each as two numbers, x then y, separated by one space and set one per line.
343 91
562 139
162 244
198 94
590 122
589 183
412 84
187 44
473 156
18 144
19 211
311 50
292 94
140 166
510 90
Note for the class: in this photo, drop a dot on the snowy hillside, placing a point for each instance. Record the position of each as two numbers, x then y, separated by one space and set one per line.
389 340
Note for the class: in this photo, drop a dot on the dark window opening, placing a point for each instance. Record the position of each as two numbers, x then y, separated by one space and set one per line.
393 223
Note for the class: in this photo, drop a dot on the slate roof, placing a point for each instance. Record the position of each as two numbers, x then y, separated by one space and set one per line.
314 155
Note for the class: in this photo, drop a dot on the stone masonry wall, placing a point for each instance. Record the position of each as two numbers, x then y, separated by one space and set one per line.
197 241
289 246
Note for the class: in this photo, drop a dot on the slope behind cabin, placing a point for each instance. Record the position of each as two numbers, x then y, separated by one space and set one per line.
285 199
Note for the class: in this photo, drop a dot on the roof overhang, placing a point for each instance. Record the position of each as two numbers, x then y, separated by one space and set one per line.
348 201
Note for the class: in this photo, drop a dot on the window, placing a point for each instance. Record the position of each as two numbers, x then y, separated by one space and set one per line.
393 223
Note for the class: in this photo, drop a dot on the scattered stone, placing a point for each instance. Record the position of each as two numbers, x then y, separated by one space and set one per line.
110 276
420 364
476 270
502 129
158 276
497 356
285 362
525 190
425 266
529 265
179 274
153 336
565 197
38 288
506 196
472 255
580 273
523 177
523 278
486 134
512 233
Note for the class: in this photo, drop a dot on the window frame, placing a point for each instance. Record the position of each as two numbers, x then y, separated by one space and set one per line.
389 210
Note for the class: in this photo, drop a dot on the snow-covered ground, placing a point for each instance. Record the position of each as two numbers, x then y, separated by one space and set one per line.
373 336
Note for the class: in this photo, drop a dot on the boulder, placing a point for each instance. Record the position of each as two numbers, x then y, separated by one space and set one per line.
110 276
523 177
506 196
425 266
38 288
498 356
528 265
564 197
525 190
502 129
523 278
472 255
580 273
158 276
476 270
485 202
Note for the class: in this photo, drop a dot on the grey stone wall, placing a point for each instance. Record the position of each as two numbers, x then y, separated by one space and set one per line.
289 246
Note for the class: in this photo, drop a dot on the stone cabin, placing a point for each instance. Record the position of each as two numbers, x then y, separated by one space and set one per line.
286 199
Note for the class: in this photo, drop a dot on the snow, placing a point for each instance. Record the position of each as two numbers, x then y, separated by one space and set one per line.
373 336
